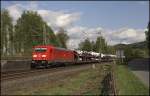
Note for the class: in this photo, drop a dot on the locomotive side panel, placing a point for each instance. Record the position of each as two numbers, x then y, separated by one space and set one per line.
61 55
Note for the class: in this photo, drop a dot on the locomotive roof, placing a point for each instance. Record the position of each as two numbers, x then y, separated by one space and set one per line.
53 47
44 46
63 49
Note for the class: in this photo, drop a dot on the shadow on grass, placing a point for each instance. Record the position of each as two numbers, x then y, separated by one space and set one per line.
106 86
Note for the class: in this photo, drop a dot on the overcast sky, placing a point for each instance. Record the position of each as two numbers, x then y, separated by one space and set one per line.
118 21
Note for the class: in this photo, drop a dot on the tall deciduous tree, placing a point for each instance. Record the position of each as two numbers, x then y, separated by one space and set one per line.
31 30
28 31
101 45
85 45
111 50
63 37
6 33
50 37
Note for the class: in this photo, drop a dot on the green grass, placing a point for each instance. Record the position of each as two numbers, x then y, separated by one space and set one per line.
128 84
73 85
85 83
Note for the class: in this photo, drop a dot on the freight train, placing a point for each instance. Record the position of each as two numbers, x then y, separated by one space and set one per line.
48 55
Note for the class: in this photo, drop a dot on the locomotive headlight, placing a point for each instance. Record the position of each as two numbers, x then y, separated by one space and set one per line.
34 55
43 55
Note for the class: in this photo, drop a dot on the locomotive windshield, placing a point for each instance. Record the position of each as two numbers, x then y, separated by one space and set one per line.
40 49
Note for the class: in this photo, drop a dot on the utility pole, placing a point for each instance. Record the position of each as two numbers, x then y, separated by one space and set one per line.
121 52
44 35
7 41
13 43
100 44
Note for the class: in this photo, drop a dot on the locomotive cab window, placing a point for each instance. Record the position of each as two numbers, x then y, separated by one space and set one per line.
40 49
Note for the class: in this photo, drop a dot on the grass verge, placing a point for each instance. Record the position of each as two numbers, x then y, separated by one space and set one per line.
127 83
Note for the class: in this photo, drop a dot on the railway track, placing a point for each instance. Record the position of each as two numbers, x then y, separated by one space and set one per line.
12 75
22 74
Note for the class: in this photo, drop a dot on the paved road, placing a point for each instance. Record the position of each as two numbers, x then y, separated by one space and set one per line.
140 68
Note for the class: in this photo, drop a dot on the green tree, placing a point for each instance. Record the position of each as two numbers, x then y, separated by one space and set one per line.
28 31
111 50
93 46
132 53
31 30
86 45
6 33
63 37
138 53
51 38
101 45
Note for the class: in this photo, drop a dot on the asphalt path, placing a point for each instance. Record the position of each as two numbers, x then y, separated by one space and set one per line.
140 67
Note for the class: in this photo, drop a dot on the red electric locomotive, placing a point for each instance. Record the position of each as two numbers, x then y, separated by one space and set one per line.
47 55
